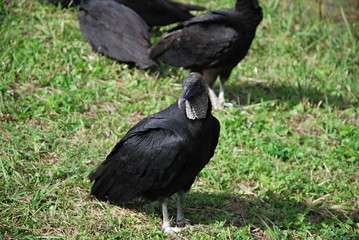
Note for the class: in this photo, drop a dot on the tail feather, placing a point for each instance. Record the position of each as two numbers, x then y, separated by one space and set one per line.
123 193
102 187
110 186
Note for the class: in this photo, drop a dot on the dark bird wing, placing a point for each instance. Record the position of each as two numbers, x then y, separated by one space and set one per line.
161 12
116 30
156 158
148 157
163 153
203 41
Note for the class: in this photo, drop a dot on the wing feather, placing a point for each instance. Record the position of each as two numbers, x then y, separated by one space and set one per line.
195 45
117 31
146 158
205 40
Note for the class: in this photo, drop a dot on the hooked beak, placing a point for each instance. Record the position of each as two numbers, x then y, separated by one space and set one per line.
181 102
184 96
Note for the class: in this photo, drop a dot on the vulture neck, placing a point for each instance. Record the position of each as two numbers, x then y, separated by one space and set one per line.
196 108
249 17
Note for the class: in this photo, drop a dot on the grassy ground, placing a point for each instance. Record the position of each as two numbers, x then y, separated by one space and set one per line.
286 167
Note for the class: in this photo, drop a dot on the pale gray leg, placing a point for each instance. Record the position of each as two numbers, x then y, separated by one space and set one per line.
166 221
221 101
210 76
221 94
213 98
181 220
166 225
180 214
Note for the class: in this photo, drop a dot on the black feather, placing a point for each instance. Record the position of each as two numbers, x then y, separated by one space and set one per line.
161 12
117 31
212 43
162 154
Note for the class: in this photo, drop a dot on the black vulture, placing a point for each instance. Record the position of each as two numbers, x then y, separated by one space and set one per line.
162 154
161 12
116 31
65 3
212 43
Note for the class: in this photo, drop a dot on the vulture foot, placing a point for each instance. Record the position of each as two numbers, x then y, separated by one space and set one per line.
170 230
182 222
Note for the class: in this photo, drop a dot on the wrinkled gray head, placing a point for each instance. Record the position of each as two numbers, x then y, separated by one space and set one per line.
193 77
194 96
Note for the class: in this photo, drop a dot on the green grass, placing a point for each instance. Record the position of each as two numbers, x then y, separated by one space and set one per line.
286 167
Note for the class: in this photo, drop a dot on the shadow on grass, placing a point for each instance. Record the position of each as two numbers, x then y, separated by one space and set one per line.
248 93
235 210
253 93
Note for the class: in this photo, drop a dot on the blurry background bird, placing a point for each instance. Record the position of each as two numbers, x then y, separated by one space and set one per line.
212 44
162 154
116 31
161 12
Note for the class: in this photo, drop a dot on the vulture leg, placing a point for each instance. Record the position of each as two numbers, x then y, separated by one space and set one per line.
166 226
181 220
210 76
221 101
213 98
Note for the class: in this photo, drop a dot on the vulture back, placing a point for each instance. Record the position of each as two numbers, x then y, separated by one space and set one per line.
212 43
161 12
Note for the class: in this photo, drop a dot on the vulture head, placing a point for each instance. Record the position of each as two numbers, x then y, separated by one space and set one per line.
194 97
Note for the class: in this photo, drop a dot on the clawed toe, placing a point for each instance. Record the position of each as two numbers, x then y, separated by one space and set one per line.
171 230
184 222
228 104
